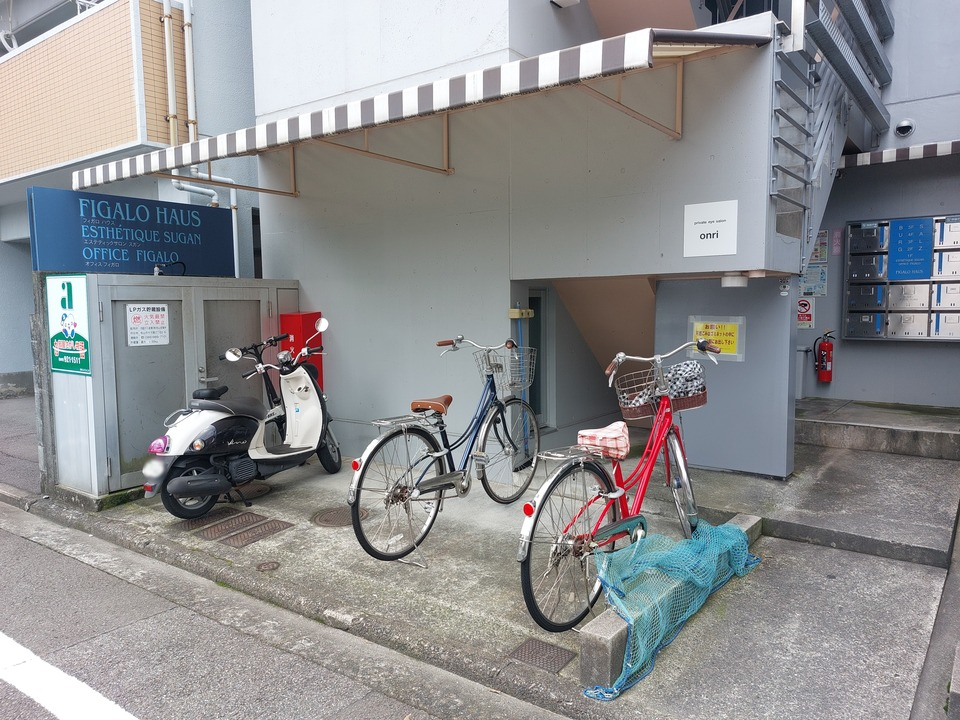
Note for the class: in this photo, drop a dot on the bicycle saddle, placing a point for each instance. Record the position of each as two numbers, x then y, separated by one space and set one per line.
438 404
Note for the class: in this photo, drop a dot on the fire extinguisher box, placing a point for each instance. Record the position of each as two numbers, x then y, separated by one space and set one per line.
300 327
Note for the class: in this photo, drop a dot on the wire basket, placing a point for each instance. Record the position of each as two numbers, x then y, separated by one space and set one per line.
512 369
637 391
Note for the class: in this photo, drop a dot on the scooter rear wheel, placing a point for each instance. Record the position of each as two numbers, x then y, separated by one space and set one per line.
329 453
187 508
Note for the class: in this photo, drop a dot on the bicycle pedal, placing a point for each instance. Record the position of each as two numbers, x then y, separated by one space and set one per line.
480 458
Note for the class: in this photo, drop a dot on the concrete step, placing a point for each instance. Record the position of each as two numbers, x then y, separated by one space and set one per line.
921 431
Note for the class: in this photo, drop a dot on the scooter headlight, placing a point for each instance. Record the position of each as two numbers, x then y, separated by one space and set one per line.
160 445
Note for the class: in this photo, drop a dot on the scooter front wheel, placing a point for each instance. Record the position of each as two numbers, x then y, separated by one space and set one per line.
187 508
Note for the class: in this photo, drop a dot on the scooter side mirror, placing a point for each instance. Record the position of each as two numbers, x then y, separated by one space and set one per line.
233 354
322 324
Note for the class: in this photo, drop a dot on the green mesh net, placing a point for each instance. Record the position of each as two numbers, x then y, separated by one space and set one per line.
656 584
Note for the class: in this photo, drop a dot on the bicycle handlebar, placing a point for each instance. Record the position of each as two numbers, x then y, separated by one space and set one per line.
703 345
454 344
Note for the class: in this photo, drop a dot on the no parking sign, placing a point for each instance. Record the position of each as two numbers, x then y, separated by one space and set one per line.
805 312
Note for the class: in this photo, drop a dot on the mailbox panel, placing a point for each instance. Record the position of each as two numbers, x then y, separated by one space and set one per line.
868 239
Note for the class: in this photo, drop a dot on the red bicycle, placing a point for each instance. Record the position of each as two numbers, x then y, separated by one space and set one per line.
582 508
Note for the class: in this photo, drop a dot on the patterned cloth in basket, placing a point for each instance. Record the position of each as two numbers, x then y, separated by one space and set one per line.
683 380
613 440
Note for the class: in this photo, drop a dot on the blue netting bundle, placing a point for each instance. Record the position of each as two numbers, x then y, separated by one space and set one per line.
656 584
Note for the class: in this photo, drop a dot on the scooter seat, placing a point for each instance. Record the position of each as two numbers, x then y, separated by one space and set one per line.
210 393
248 406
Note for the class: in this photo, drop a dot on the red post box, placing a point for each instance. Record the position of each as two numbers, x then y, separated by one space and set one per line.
300 327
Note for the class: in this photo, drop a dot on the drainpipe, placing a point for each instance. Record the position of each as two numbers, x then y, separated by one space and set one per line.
233 209
188 62
167 21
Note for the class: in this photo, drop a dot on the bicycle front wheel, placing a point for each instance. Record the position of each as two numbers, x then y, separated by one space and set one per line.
389 518
678 480
508 446
559 576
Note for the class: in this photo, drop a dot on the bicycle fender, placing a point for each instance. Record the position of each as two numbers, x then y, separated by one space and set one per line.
358 465
526 529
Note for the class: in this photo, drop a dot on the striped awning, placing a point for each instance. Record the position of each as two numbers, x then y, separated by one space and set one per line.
914 152
607 57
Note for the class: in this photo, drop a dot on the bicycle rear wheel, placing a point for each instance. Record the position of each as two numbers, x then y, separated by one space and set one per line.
678 480
509 442
558 575
388 520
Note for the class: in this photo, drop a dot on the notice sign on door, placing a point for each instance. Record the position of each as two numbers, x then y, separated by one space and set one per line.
147 324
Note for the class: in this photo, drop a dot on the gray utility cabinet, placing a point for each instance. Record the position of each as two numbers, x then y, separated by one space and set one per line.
97 427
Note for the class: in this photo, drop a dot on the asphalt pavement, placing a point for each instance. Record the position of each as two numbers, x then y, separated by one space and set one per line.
850 614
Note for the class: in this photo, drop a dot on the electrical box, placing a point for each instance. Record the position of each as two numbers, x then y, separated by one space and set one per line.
301 327
903 279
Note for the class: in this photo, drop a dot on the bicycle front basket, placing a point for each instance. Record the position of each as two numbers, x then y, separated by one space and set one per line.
512 369
636 393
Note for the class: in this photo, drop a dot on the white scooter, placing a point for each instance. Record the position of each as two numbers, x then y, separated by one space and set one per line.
216 445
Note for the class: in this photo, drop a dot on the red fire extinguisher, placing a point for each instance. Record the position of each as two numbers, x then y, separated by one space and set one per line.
823 356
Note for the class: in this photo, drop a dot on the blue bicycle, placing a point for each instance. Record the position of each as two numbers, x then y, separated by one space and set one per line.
404 475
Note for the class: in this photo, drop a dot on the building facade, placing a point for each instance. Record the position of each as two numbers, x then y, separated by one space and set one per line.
438 167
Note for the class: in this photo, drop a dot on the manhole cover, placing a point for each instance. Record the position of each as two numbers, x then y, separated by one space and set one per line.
215 515
230 525
336 517
257 532
268 566
543 655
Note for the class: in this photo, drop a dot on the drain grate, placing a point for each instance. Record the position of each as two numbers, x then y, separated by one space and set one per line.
211 517
230 525
257 532
543 655
335 517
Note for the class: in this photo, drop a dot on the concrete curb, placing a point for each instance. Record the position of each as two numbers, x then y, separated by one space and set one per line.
603 640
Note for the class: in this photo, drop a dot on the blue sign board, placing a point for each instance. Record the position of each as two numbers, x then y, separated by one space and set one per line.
92 233
911 249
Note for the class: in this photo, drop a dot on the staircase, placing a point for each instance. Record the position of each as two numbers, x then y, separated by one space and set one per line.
809 114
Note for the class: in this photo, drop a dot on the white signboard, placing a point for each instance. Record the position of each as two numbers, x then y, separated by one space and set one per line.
710 229
147 324
806 314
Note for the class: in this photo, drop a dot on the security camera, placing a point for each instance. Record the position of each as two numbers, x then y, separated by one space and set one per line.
905 128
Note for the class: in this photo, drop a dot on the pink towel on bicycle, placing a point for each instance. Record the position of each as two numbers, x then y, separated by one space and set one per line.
613 440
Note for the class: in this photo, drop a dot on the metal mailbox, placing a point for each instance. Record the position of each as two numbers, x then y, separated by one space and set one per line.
868 267
865 325
946 263
908 325
866 297
945 295
867 239
945 325
947 233
909 297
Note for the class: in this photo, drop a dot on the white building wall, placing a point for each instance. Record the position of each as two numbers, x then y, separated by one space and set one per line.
309 54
